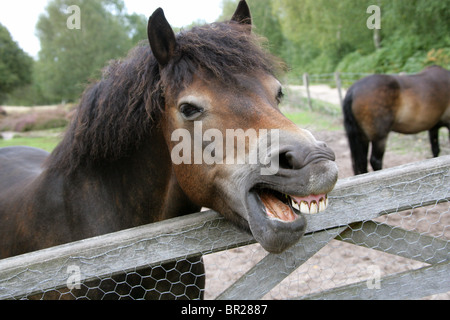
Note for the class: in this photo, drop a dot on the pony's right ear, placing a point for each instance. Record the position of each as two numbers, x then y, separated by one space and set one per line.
161 37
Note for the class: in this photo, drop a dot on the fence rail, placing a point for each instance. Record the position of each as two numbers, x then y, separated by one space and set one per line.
354 201
339 80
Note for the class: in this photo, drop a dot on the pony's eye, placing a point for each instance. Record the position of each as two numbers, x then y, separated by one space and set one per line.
190 111
280 96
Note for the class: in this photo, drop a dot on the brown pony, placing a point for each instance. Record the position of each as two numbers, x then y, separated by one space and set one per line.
378 104
122 162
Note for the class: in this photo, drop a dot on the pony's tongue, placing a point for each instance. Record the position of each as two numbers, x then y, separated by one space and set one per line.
281 206
276 208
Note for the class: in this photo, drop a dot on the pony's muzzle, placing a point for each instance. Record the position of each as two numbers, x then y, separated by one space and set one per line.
296 154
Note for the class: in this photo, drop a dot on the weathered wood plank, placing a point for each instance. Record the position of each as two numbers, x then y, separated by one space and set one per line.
354 199
122 251
395 240
272 269
412 284
367 196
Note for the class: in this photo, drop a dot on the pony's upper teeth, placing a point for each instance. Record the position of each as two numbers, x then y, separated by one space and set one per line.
311 204
322 205
313 208
304 207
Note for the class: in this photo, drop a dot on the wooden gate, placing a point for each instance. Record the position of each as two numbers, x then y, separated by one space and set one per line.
354 203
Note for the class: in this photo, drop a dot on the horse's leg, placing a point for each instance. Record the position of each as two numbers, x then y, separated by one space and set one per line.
447 125
376 158
359 148
434 139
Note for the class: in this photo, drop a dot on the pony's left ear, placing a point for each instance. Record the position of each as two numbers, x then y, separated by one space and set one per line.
161 37
242 14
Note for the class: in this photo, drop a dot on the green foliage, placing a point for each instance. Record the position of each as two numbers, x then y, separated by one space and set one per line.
264 19
15 65
328 36
324 31
70 57
315 36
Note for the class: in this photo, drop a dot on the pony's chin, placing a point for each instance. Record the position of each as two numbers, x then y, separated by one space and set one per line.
275 230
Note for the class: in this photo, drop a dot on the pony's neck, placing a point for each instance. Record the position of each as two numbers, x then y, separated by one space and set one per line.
137 189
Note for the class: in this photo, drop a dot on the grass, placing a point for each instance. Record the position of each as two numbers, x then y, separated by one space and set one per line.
46 143
46 140
323 116
314 120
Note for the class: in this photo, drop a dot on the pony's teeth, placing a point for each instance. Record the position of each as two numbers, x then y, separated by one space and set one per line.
304 208
314 208
310 206
322 205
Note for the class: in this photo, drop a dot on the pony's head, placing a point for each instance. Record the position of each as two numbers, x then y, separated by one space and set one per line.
232 149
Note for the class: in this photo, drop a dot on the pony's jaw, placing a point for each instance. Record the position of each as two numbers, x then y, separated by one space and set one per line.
257 203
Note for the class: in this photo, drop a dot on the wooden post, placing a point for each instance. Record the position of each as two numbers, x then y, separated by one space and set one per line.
337 78
306 83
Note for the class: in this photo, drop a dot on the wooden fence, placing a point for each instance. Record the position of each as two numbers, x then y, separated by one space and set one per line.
355 201
335 80
338 80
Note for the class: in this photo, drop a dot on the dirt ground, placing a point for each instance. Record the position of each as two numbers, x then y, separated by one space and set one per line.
338 263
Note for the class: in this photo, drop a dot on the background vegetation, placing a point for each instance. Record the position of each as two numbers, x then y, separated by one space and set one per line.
323 36
315 36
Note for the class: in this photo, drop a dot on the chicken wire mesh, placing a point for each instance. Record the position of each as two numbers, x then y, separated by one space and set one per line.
410 231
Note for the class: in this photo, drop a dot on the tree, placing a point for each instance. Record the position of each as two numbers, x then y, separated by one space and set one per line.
322 32
15 64
69 57
137 27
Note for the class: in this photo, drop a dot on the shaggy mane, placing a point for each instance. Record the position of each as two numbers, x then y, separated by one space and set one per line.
116 113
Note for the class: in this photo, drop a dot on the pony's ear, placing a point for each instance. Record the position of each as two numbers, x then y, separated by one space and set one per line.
242 13
161 37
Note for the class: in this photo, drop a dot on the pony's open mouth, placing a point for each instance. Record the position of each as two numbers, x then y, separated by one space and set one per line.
277 220
287 208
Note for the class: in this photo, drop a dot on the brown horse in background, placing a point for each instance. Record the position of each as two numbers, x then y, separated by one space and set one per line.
378 104
114 168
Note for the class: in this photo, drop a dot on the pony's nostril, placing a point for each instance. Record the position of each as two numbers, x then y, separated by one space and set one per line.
284 161
297 158
290 160
322 144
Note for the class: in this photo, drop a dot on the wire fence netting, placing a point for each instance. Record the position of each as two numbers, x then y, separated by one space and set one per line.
362 253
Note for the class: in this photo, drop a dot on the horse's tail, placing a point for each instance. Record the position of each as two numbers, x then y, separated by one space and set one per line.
356 138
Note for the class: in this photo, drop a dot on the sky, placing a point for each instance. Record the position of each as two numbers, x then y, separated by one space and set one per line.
20 16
